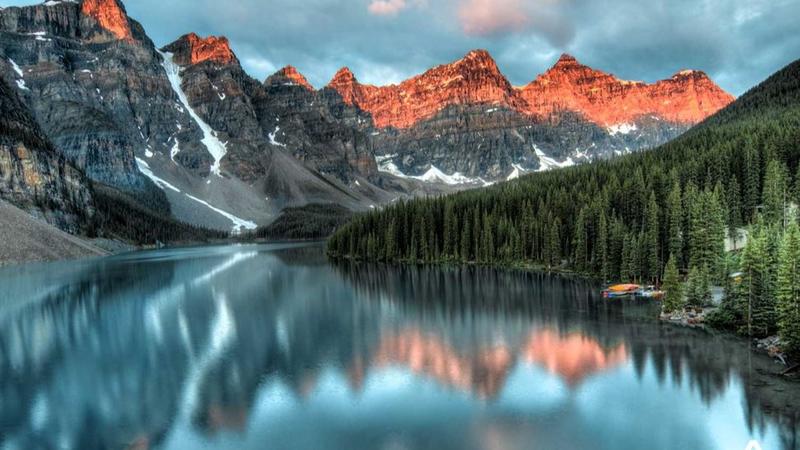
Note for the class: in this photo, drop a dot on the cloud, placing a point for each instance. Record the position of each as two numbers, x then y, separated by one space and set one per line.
487 17
548 18
386 7
737 43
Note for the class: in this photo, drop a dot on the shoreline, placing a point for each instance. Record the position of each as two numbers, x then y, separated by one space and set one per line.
769 346
682 320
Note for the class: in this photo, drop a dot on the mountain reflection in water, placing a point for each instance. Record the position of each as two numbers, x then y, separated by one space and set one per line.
271 346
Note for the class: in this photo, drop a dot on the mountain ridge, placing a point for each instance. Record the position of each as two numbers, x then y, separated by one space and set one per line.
394 105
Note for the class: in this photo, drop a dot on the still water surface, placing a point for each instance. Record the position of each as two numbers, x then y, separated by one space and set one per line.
253 347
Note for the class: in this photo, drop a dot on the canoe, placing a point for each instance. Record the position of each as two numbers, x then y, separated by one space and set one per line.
621 290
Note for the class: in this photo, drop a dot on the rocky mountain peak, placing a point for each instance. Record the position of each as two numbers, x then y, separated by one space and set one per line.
344 75
566 60
473 79
346 84
192 49
690 74
476 64
479 57
687 97
110 15
290 75
568 66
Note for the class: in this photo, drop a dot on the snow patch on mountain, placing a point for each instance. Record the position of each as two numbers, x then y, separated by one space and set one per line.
18 70
146 171
273 135
238 223
433 175
547 163
216 148
622 128
176 148
517 172
39 35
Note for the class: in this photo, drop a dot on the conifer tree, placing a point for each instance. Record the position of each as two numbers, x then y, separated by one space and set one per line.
717 232
698 289
626 262
788 290
752 182
579 241
755 300
650 244
451 231
554 243
775 193
675 212
602 248
673 299
465 252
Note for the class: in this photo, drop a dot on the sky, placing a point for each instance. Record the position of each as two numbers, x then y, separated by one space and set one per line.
737 42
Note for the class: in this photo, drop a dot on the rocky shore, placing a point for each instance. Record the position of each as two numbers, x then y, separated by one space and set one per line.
695 317
23 239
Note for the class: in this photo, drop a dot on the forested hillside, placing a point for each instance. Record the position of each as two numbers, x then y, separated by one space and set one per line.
621 219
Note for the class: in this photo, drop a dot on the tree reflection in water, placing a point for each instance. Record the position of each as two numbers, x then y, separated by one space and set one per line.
234 347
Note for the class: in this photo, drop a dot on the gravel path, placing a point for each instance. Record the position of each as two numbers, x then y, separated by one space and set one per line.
24 238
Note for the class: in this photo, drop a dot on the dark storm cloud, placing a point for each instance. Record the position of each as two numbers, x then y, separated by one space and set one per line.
737 42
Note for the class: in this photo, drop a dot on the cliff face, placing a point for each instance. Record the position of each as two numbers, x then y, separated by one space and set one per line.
282 115
317 127
94 85
191 49
475 79
686 98
110 15
33 176
465 118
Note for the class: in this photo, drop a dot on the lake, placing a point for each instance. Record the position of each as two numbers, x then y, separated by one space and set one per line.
273 346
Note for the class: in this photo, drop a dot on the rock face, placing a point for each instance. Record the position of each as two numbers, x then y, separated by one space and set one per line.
109 15
316 127
192 49
94 85
33 176
263 123
687 97
475 79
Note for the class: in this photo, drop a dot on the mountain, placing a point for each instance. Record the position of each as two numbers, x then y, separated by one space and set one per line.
186 133
475 79
37 179
687 97
176 130
466 118
620 219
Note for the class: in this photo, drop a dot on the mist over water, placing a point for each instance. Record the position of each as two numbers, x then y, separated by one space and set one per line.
251 347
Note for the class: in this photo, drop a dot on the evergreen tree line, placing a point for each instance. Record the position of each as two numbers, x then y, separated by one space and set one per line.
764 297
118 216
619 220
313 221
